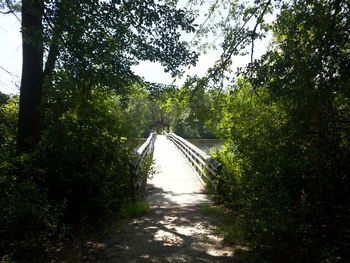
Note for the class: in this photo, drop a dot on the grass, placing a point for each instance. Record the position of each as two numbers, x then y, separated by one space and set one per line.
229 225
129 211
136 209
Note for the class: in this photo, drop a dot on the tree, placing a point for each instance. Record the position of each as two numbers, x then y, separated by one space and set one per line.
285 162
308 71
30 110
97 41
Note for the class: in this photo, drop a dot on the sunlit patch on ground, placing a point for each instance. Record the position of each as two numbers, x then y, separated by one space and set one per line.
168 238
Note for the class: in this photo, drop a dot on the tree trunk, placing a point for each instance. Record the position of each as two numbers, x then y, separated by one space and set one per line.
30 106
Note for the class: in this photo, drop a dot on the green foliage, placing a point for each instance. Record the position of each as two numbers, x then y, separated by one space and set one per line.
144 171
229 224
29 220
139 113
257 176
285 162
83 174
133 210
128 211
8 124
87 149
100 41
189 116
82 165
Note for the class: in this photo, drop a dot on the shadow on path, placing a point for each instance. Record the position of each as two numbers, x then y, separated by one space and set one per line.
168 233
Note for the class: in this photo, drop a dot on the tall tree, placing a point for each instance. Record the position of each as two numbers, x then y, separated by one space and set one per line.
97 41
30 111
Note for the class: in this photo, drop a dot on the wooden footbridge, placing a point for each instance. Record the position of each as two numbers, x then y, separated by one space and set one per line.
182 170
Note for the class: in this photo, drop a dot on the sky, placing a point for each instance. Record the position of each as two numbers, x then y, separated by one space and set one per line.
10 53
11 59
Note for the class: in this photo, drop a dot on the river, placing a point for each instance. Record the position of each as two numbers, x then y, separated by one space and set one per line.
207 145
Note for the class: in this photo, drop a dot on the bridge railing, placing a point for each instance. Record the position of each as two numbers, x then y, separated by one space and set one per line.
143 159
204 165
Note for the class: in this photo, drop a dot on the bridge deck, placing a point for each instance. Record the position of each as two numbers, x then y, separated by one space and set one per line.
175 182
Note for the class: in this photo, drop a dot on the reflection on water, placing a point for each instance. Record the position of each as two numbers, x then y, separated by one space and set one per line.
207 145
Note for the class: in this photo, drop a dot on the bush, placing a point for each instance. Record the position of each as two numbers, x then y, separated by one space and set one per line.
80 176
88 152
269 179
29 220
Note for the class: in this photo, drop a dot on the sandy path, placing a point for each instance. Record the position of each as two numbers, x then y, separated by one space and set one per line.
175 230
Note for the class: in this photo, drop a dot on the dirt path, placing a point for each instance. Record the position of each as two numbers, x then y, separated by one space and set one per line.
175 230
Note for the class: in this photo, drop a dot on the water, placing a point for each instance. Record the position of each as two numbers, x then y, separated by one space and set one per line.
207 145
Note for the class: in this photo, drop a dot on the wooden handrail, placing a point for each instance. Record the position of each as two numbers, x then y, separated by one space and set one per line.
204 165
146 149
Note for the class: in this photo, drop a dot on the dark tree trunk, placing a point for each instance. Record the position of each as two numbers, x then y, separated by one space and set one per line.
30 107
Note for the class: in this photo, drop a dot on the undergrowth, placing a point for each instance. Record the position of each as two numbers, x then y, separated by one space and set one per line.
229 225
86 246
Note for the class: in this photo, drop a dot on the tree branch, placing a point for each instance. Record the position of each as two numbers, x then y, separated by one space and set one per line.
258 22
12 10
228 55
